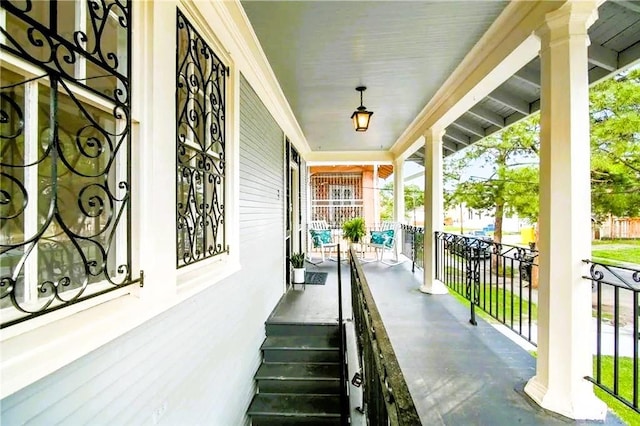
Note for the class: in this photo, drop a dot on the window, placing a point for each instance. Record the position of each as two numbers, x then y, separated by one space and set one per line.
337 197
64 153
200 148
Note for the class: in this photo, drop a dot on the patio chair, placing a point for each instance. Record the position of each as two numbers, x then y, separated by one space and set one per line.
383 240
322 238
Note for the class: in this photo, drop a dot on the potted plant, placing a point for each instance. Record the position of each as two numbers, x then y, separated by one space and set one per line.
297 262
354 229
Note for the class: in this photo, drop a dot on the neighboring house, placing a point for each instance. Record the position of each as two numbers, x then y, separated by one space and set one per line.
339 193
618 227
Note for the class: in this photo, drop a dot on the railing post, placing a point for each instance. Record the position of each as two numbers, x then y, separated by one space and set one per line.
437 256
472 275
413 249
344 404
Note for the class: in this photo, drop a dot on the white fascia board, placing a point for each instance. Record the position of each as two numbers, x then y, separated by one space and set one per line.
322 158
245 49
415 146
508 45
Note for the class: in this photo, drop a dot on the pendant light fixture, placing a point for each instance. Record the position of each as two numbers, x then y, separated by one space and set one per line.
361 116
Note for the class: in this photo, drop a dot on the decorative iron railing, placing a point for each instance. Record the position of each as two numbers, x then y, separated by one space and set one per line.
386 397
413 245
200 148
616 365
496 278
344 385
64 154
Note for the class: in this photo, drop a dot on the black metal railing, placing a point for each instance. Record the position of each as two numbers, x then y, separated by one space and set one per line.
344 397
386 397
616 291
413 245
496 278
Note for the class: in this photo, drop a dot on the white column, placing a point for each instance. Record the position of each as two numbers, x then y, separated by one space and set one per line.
398 191
564 297
398 200
433 208
376 193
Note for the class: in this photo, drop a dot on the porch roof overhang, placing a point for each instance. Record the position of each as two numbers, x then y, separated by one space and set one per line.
470 86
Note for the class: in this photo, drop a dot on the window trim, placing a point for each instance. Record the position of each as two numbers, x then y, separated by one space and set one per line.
50 74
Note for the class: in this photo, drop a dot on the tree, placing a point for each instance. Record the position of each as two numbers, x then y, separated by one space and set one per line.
512 155
413 199
615 145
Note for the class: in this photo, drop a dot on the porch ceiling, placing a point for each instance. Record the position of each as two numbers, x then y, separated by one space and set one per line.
403 51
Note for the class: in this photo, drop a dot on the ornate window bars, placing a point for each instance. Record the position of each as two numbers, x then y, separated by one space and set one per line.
200 148
64 153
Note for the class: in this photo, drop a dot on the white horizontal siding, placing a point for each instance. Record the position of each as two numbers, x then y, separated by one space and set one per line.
193 364
262 195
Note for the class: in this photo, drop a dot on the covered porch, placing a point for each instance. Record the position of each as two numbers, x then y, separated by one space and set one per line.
455 372
535 56
172 327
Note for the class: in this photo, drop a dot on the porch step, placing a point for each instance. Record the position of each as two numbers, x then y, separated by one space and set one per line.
292 409
314 349
301 329
299 378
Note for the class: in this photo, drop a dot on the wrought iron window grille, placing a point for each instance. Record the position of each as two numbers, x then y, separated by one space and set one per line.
65 215
200 147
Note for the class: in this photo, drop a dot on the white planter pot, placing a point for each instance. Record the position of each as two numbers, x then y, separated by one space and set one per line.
298 275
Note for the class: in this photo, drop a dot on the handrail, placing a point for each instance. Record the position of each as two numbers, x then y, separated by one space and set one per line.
387 399
344 402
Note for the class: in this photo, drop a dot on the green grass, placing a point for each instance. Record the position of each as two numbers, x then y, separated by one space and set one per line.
625 383
615 251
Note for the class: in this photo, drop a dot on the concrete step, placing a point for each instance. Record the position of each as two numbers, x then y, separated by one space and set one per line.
301 329
294 421
290 409
301 349
299 378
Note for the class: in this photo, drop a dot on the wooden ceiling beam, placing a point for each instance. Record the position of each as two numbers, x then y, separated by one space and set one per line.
510 100
469 127
603 57
487 115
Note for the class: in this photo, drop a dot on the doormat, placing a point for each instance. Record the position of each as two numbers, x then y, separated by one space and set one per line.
315 278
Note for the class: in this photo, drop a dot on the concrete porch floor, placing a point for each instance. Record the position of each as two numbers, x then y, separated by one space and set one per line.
458 374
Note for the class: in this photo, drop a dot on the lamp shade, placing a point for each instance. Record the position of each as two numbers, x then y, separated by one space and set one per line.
361 118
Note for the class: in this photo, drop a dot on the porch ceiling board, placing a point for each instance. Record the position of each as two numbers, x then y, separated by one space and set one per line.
417 71
403 51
